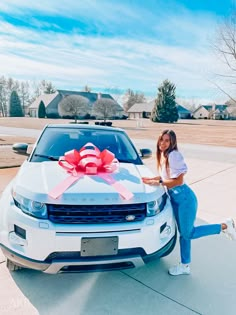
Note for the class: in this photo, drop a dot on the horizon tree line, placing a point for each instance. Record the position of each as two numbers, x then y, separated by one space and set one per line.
17 94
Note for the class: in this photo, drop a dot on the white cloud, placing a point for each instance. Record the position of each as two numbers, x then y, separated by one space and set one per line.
179 51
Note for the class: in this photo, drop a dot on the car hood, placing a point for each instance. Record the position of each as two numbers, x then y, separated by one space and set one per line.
36 180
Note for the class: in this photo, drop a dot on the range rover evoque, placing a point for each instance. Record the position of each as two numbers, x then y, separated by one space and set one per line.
78 203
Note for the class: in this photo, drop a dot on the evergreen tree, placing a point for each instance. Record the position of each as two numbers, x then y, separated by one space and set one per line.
15 105
165 109
41 110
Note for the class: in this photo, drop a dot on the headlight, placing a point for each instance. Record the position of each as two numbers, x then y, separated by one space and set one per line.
156 206
34 208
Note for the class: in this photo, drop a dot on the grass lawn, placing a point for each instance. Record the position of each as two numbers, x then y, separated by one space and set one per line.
208 132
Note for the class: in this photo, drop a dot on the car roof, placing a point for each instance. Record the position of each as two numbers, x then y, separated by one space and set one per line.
85 126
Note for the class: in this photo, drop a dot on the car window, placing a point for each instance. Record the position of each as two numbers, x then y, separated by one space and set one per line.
54 142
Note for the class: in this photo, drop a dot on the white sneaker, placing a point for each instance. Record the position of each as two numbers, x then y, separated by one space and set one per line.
230 231
180 269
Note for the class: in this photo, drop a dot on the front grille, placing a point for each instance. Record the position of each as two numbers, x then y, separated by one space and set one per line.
95 214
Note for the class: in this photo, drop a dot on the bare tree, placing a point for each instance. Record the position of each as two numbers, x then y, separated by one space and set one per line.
46 87
225 46
24 95
105 107
73 105
3 96
131 97
42 87
87 88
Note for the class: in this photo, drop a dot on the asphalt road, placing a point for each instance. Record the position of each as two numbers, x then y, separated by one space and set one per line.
19 131
149 290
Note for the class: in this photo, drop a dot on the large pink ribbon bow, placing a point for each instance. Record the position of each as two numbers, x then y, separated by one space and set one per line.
89 161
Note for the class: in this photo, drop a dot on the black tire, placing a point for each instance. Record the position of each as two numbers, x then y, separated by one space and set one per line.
11 266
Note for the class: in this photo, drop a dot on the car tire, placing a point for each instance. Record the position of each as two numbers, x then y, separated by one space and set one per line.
11 266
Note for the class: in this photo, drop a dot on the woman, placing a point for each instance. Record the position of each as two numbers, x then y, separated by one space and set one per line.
172 168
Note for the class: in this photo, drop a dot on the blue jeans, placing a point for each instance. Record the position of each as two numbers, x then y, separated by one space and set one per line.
184 203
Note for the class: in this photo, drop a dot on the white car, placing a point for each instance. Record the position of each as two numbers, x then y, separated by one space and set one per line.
78 203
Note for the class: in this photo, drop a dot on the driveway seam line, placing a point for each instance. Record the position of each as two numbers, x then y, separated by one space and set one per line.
212 175
163 295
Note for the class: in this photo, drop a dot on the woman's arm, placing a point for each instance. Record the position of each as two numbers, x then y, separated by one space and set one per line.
169 183
172 182
150 179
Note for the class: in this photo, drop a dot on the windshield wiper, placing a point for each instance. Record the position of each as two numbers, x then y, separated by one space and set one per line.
125 161
52 158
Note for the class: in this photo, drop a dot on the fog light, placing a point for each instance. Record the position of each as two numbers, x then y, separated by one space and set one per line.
16 240
166 232
19 231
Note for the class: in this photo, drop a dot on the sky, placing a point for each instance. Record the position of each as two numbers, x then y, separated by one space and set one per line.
113 45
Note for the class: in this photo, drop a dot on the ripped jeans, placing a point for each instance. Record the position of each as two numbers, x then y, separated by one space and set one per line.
184 203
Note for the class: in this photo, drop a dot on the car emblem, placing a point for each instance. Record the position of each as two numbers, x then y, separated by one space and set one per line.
130 217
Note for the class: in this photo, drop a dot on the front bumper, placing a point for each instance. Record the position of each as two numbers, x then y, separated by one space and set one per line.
79 265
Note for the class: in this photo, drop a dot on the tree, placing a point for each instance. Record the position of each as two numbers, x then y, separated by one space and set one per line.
27 91
73 105
131 98
15 105
49 88
105 107
165 109
87 89
43 87
225 46
41 110
24 95
46 87
3 96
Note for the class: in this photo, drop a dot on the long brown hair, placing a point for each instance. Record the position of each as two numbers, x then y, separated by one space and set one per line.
173 146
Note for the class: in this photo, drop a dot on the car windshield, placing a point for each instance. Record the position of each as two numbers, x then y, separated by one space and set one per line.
54 142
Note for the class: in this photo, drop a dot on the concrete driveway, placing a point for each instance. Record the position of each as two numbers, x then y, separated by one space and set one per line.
209 290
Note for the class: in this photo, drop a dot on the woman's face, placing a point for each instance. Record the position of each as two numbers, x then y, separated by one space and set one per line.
164 143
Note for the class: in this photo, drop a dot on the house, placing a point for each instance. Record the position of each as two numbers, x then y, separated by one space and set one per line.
184 113
232 112
144 110
51 102
141 110
214 111
48 99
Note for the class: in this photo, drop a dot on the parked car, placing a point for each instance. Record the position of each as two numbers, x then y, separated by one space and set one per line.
78 202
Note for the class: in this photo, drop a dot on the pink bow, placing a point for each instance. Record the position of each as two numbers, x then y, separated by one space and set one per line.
89 161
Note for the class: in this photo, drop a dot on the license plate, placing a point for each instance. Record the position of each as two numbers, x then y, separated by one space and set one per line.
99 246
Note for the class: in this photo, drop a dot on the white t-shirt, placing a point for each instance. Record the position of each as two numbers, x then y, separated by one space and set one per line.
177 166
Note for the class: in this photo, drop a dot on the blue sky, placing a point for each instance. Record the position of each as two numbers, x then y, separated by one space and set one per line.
109 44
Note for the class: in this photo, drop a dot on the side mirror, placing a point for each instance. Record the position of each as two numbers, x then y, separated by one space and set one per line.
20 148
145 153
